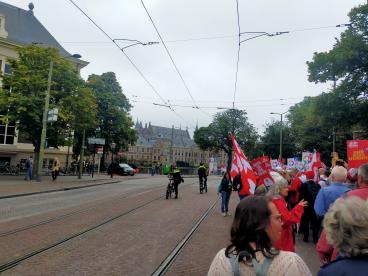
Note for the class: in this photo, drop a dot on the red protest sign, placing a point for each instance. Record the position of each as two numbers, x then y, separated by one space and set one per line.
357 152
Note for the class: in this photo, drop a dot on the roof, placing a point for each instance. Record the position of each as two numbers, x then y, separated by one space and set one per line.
24 28
149 136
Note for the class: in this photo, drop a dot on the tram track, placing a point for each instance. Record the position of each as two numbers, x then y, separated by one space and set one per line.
70 214
170 259
16 261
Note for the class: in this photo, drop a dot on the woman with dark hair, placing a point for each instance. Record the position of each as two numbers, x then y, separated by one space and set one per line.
256 226
225 188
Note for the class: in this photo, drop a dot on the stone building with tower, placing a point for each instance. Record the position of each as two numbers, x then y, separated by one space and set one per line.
163 145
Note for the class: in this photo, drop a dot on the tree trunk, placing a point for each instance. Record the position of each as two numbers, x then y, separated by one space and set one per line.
229 160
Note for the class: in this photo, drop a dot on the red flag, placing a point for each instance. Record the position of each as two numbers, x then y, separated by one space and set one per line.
241 165
262 166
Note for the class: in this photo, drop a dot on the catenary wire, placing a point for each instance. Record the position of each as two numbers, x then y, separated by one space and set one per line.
132 63
238 55
172 59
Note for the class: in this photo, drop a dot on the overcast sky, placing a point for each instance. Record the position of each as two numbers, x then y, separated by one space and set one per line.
270 68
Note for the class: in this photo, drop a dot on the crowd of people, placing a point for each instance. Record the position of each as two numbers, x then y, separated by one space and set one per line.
262 236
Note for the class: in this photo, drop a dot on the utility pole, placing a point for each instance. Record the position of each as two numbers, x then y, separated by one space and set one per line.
171 145
82 155
44 124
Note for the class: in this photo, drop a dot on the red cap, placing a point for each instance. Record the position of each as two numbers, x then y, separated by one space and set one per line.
309 174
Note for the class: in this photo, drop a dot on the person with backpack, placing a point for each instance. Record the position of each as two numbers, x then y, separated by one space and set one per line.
225 188
308 191
256 227
239 187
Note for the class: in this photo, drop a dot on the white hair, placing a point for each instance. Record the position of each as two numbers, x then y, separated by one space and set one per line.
346 226
339 174
278 182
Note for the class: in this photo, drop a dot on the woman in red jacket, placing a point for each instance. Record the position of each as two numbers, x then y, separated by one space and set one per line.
278 191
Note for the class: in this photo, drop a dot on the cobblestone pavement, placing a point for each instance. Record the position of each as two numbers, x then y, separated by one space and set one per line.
137 243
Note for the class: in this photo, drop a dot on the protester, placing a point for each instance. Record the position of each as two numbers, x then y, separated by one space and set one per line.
327 195
29 168
362 190
324 173
257 225
278 192
261 190
352 178
55 168
325 251
346 225
225 188
308 192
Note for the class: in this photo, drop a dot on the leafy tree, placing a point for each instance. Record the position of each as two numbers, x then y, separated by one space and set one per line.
314 120
24 90
114 121
347 66
270 140
217 135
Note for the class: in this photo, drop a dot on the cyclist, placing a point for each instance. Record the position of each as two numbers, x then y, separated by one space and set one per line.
176 174
202 174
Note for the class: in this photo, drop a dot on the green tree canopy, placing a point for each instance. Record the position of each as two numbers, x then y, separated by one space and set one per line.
114 121
347 66
270 140
24 91
217 135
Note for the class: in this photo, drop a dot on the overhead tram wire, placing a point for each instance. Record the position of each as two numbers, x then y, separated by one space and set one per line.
214 37
171 58
238 57
132 63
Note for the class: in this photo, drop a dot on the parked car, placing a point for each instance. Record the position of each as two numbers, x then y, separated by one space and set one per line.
120 169
135 168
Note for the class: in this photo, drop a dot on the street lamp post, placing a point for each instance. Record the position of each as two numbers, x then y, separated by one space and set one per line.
82 155
112 145
280 156
44 119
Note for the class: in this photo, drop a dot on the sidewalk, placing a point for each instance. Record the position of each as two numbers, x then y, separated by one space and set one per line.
12 186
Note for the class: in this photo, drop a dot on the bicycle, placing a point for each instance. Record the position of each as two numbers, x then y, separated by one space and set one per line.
170 188
202 185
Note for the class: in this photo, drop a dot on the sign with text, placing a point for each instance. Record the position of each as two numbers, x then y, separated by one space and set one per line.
357 152
96 141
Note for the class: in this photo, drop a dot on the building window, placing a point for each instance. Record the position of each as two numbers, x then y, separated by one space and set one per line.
7 69
7 134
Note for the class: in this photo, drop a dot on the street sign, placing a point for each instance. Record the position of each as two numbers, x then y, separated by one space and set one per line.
52 115
96 141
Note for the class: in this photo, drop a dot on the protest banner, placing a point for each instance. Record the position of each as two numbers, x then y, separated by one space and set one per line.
357 152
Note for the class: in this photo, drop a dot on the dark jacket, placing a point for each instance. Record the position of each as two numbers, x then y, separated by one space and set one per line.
308 191
225 185
202 171
356 266
177 176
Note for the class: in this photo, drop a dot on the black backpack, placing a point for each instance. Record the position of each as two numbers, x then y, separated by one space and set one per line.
237 183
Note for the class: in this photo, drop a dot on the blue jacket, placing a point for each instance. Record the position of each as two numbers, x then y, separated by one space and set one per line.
327 195
356 266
